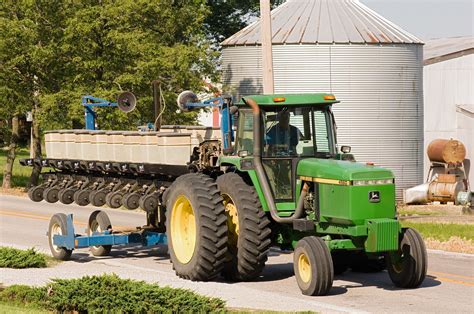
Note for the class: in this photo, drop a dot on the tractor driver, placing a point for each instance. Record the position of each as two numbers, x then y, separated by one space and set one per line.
282 137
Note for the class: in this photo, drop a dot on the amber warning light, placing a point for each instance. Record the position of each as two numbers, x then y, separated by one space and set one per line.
279 99
329 97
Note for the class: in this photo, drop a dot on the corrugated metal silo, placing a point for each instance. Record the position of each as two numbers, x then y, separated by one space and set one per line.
371 65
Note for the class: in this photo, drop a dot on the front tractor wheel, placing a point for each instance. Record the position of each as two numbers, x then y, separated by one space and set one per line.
313 266
196 227
249 234
407 267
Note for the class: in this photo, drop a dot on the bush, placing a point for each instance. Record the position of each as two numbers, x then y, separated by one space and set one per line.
15 258
109 293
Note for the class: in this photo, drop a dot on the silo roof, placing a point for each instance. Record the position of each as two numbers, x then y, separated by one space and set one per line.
437 50
325 22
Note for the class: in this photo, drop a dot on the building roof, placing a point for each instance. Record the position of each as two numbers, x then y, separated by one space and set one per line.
326 22
437 50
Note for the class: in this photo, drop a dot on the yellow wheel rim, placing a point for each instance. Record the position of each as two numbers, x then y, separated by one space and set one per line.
232 219
304 268
183 229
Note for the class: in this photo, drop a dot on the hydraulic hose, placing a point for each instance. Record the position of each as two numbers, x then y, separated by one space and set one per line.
262 178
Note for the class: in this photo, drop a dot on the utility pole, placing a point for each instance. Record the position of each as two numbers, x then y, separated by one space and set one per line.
266 38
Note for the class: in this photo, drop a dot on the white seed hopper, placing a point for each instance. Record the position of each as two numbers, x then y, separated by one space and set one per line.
172 145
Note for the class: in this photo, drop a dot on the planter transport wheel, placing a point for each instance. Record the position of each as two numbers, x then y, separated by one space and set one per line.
196 227
58 226
50 195
97 198
98 222
131 201
407 267
81 197
66 196
313 266
249 234
36 193
148 203
114 199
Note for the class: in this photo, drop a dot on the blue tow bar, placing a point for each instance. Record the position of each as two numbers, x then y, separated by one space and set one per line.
72 241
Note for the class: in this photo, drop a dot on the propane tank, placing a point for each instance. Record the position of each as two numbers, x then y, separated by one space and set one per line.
446 151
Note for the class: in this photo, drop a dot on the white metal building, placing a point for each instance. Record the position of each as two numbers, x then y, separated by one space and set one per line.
371 65
449 94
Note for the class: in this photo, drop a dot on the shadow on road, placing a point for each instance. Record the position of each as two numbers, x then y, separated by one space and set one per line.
160 253
272 271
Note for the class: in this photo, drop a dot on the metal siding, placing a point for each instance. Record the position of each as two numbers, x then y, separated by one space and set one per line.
380 88
448 84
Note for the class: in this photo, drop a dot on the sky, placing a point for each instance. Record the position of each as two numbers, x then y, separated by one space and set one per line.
428 19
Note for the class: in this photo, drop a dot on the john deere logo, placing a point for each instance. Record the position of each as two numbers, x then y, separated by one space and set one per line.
374 196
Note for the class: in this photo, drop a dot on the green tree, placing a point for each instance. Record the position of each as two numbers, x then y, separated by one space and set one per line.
30 62
229 16
113 46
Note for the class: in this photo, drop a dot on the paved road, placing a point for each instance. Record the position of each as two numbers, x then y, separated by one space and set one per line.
449 286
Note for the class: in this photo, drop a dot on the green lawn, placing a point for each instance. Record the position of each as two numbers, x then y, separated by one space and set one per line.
21 175
442 231
7 308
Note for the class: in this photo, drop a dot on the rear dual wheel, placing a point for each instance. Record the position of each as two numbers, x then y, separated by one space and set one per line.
196 227
249 234
313 266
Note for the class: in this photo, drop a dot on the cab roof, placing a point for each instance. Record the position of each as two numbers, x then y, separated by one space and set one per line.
291 99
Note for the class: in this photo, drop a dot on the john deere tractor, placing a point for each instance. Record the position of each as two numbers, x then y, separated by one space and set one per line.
223 199
284 183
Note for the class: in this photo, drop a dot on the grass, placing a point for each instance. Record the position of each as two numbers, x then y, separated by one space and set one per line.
21 175
442 231
7 308
16 258
109 294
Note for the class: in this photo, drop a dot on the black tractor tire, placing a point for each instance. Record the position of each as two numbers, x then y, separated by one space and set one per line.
66 196
81 197
99 222
97 198
131 201
149 203
50 194
313 266
36 193
407 267
58 225
114 199
196 227
248 247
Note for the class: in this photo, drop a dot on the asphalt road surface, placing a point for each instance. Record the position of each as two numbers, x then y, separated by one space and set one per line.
449 286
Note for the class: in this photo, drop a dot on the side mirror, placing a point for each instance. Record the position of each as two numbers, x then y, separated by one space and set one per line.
345 149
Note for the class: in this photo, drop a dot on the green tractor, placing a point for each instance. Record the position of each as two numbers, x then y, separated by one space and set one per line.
284 183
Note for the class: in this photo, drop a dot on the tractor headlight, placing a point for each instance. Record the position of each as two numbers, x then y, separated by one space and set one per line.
372 182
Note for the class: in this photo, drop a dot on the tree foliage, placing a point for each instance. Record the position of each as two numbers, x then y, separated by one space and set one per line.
58 50
229 16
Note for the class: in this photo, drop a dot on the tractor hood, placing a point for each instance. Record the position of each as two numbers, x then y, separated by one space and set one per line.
340 170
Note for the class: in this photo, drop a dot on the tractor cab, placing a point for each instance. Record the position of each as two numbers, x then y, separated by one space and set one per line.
293 127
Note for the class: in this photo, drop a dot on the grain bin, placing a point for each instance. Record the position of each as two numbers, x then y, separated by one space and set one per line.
341 46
